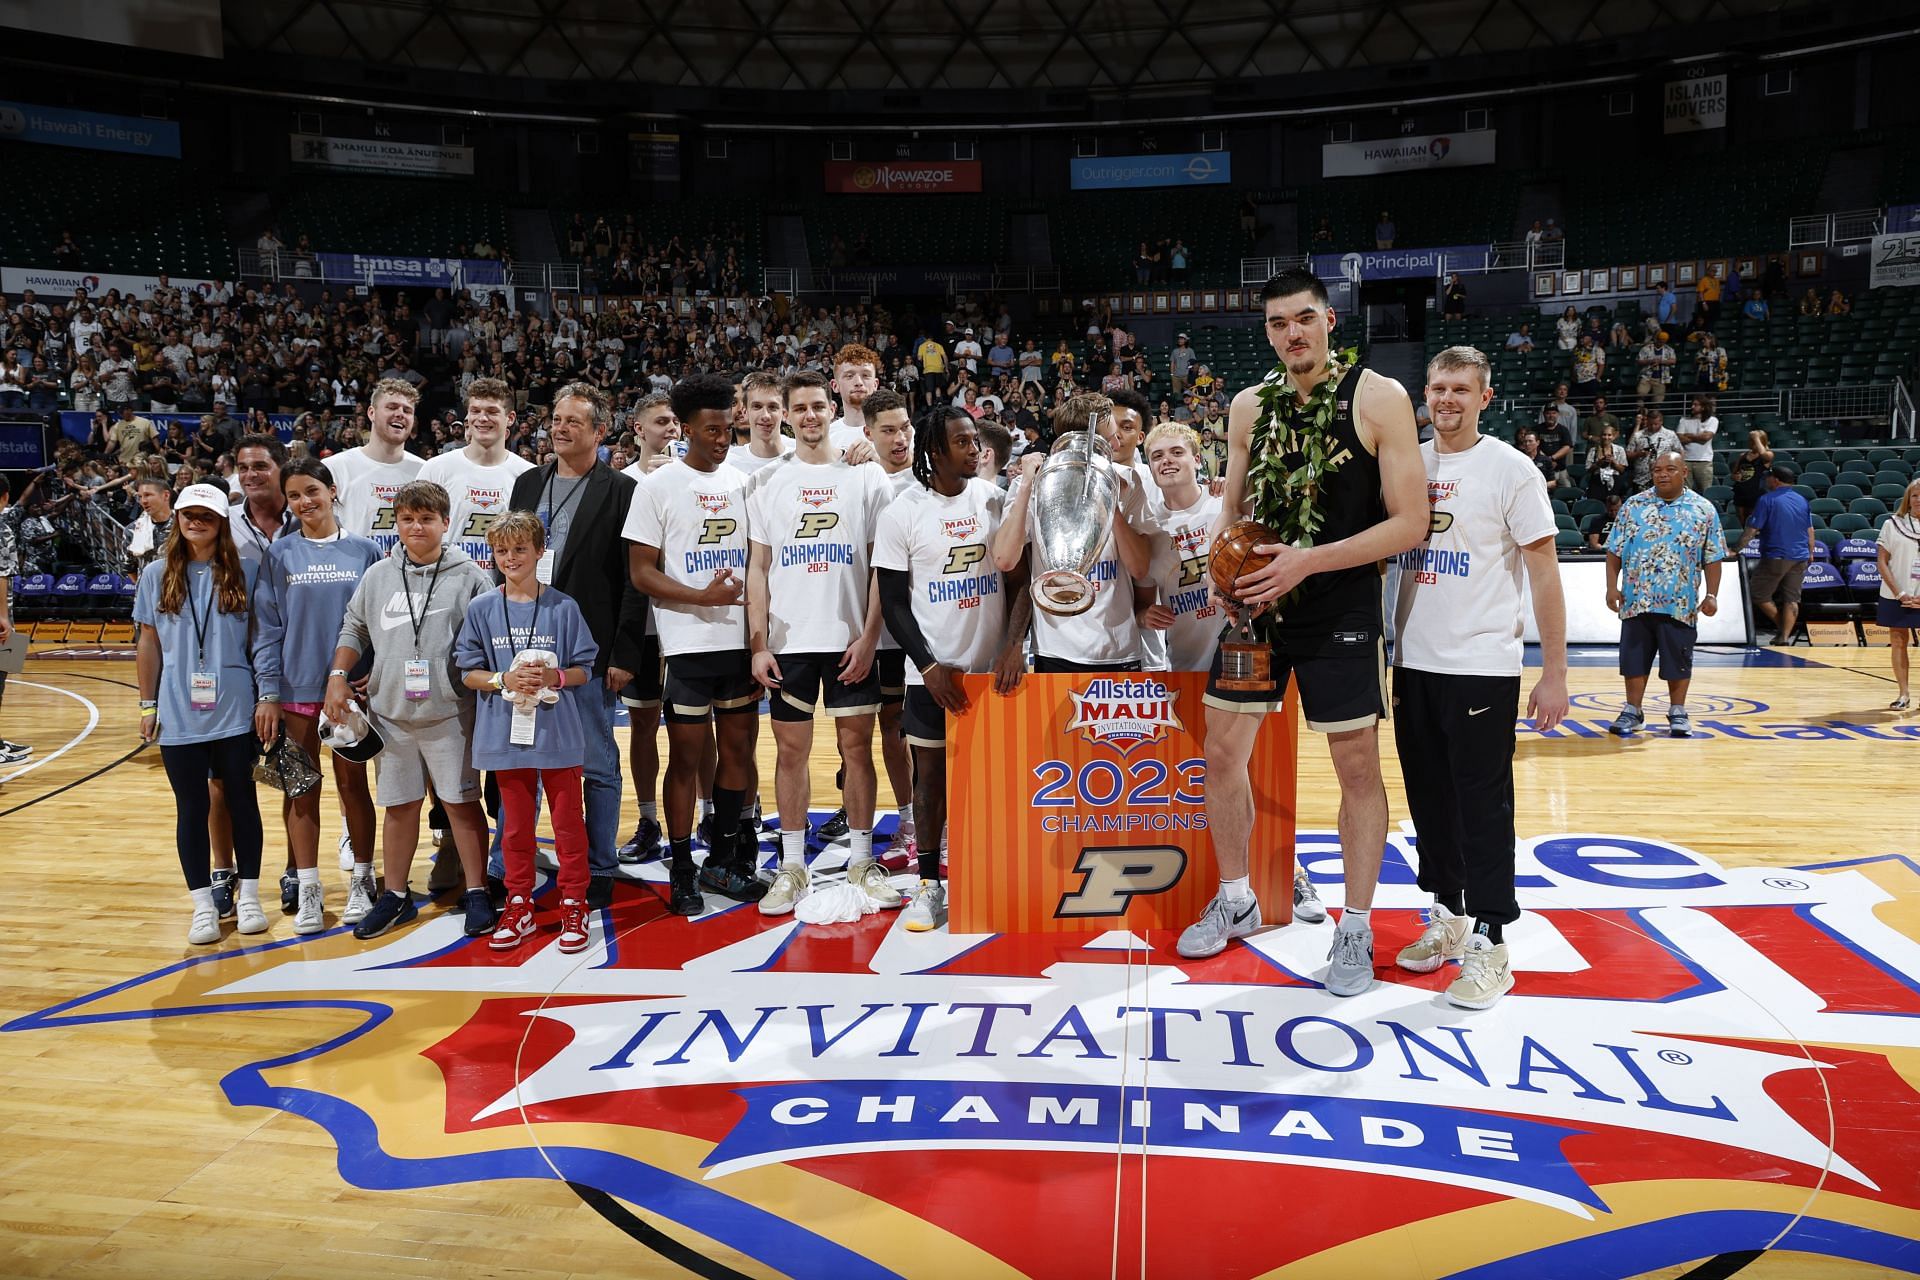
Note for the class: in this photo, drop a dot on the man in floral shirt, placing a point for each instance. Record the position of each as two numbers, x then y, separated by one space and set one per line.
1662 538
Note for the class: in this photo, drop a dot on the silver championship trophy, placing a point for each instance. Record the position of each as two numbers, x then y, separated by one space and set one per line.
1072 514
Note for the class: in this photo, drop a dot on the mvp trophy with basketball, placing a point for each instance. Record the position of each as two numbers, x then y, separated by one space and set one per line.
1246 664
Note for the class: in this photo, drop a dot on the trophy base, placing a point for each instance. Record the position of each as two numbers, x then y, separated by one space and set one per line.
1063 593
1245 668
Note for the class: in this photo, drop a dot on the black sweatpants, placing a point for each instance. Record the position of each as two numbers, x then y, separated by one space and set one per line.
1455 738
230 760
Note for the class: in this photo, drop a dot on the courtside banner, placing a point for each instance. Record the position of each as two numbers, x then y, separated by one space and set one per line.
1080 802
1406 155
906 177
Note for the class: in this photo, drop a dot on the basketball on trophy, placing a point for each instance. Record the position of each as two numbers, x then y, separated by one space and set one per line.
1233 557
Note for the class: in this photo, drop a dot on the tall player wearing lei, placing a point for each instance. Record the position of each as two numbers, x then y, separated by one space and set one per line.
1325 453
813 624
948 603
688 533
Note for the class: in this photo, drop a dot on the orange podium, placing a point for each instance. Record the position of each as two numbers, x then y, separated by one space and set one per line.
1080 803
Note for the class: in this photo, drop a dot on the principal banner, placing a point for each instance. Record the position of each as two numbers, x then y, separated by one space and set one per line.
1196 169
1896 260
1695 104
93 130
1079 803
1406 155
857 177
382 155
1395 264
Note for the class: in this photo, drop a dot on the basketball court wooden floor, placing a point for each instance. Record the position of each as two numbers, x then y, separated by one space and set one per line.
1711 1065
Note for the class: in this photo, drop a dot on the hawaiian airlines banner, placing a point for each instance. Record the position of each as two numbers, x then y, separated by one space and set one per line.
858 177
1406 155
1080 801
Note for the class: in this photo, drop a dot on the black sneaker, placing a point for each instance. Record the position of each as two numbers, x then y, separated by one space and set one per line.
496 891
645 845
685 899
390 912
289 893
834 829
600 892
723 874
481 917
223 894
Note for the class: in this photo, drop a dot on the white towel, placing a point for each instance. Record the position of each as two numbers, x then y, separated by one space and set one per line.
837 905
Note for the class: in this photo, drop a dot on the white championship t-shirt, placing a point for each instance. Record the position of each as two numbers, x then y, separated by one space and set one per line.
945 547
366 490
818 521
698 520
1459 609
842 434
743 456
479 496
899 482
1107 631
1180 542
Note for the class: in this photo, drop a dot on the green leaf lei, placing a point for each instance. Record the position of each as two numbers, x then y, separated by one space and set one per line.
1289 456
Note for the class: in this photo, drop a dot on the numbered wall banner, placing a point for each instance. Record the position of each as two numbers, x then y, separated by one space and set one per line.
382 155
1695 104
1407 155
1896 260
1080 802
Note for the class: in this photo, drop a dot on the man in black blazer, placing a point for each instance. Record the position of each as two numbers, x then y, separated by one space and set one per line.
583 503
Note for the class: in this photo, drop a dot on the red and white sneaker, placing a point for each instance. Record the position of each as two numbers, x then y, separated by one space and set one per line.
516 924
573 925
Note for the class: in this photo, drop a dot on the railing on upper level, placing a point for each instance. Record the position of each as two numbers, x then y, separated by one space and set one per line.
1821 230
909 280
407 270
1512 255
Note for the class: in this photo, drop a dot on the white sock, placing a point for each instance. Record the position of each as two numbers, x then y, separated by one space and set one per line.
1676 706
363 870
861 849
202 899
650 809
249 891
1358 917
793 850
1236 890
906 817
308 875
1634 707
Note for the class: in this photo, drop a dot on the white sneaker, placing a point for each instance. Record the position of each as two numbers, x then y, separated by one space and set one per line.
346 853
312 916
359 899
250 918
205 928
1486 974
790 884
1445 939
928 911
871 879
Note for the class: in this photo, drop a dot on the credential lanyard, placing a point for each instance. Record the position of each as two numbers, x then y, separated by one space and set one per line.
426 601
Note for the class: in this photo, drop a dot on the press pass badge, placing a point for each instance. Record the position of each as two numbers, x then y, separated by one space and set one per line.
543 568
419 686
521 735
203 690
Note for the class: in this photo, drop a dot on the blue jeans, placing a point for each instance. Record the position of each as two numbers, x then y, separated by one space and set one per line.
602 790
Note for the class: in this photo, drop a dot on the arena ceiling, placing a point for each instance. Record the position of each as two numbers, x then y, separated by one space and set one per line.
914 45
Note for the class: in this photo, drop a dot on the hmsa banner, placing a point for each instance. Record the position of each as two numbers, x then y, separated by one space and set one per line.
1079 803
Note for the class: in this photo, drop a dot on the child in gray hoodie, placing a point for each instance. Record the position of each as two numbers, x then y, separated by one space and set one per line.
409 609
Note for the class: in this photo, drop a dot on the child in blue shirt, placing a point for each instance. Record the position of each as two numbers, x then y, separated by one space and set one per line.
196 697
525 741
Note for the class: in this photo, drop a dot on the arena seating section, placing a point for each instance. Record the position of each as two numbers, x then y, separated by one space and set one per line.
1096 234
129 214
391 216
694 220
1461 207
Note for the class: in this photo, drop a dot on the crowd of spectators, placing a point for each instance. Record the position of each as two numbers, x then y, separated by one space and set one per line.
623 259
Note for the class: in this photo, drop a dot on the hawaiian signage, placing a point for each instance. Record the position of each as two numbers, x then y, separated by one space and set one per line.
1699 1060
1696 103
1194 169
1406 154
53 281
381 155
1082 800
92 130
861 177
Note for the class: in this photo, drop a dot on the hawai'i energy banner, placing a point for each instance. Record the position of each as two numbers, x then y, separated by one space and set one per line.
1080 801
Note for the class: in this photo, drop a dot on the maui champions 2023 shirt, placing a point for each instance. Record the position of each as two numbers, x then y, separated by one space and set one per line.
365 491
944 546
477 496
1180 541
1459 607
698 521
817 521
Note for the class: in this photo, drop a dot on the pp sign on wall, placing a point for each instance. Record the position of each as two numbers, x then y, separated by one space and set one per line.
1080 803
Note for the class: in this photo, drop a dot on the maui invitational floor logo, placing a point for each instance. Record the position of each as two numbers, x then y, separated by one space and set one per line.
1698 1061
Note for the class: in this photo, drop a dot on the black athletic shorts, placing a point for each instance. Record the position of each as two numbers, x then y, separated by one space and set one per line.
1343 681
643 690
1044 664
699 683
923 722
892 666
806 677
1645 634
